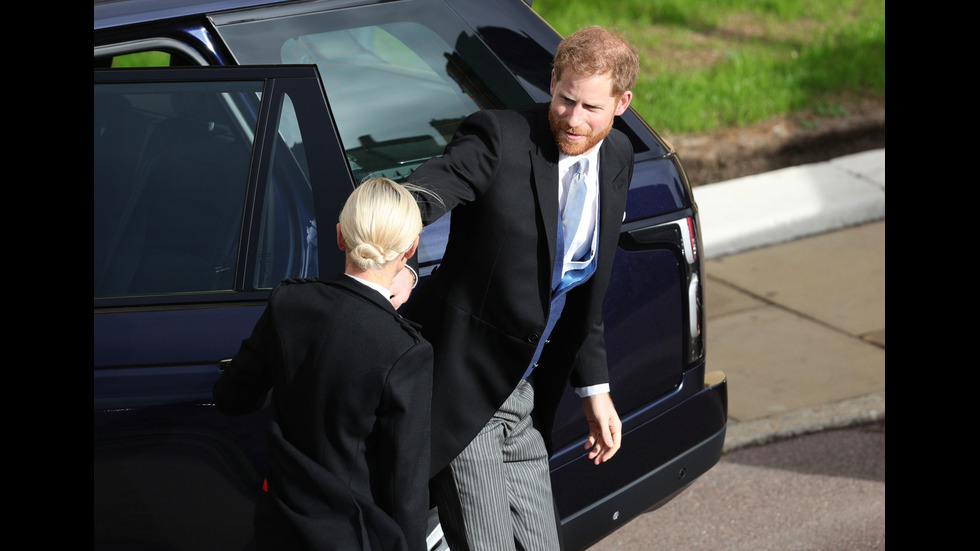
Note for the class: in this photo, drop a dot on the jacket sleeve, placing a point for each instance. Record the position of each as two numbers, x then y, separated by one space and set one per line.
464 170
245 383
404 423
590 366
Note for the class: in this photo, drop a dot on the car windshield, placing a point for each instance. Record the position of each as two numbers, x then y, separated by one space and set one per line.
399 76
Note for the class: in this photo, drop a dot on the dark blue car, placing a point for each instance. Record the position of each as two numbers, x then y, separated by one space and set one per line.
214 169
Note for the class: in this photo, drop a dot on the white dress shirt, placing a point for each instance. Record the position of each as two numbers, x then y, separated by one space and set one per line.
584 242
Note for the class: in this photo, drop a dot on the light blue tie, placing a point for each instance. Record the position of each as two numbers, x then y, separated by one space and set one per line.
571 216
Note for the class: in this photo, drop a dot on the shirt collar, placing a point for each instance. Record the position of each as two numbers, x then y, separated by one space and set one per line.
565 162
384 292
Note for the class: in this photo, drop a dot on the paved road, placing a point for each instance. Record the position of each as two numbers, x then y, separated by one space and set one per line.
817 492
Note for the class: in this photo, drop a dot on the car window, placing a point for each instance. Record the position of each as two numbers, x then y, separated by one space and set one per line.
171 170
287 245
149 52
172 162
400 78
142 59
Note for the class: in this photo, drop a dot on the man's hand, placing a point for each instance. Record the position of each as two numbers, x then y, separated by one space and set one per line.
605 428
401 287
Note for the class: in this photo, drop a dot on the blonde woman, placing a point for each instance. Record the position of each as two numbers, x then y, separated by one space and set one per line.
351 384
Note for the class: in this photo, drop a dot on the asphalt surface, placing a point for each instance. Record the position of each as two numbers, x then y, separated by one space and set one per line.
795 302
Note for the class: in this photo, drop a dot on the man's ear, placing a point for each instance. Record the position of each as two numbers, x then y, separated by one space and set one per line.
624 102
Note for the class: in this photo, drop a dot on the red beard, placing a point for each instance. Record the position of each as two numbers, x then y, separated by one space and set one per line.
570 147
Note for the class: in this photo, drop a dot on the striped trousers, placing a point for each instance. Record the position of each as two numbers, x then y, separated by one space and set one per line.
496 495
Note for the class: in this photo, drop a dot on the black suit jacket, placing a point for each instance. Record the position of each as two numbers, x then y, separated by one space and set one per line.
486 306
349 440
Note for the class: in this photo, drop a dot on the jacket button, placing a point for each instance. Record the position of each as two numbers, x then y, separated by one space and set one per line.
533 338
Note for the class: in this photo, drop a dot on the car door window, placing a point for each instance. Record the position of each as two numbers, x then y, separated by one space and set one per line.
189 199
171 172
287 242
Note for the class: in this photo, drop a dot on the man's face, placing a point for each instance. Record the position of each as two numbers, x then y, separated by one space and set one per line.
582 110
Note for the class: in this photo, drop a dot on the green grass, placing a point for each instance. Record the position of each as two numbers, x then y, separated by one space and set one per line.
142 59
713 64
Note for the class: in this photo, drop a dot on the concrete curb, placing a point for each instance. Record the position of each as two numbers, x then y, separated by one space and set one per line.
846 413
791 203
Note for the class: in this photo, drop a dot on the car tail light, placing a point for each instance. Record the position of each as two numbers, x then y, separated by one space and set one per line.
681 236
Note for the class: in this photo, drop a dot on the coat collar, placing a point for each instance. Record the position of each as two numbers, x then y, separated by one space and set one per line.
346 282
363 291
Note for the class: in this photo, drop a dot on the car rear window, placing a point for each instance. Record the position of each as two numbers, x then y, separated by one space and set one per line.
400 76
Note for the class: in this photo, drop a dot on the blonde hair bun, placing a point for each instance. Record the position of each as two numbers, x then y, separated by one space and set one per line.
379 222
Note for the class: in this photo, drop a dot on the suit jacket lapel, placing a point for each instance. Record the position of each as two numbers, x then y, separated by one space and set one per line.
609 172
544 166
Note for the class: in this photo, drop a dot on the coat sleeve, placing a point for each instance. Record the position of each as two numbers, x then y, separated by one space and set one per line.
464 170
245 383
590 366
404 423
